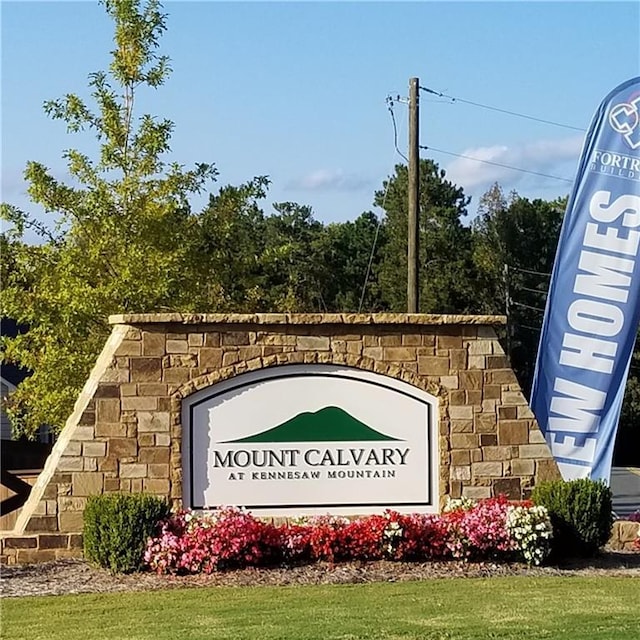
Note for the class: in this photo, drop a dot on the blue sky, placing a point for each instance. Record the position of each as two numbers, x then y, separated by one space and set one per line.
296 90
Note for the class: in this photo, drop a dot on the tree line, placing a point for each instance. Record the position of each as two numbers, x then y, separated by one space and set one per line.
124 239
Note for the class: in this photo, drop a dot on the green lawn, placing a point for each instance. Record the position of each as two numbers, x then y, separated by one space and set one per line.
521 607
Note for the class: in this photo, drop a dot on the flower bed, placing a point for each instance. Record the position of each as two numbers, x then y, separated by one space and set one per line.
230 538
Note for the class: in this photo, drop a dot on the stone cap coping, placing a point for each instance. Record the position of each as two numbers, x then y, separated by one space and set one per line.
306 318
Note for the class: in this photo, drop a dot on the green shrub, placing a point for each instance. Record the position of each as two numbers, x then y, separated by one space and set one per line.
581 515
117 526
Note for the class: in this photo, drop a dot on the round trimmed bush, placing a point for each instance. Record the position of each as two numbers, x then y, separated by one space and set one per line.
117 527
581 514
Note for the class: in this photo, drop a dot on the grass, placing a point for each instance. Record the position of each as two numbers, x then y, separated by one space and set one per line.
517 607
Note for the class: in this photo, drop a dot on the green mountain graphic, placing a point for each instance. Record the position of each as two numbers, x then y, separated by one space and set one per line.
330 424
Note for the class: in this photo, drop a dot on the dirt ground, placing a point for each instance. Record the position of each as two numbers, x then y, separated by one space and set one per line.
78 576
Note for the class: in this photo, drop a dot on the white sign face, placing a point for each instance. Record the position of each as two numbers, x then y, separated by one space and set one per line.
305 439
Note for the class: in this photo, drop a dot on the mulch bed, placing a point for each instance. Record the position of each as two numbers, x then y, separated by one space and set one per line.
78 576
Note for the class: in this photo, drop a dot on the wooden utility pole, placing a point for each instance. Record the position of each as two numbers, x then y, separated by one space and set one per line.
414 197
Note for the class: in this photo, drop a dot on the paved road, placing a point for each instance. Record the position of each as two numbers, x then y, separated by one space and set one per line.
625 485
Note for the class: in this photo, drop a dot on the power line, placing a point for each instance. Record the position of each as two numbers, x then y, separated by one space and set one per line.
495 164
542 293
533 273
384 200
506 111
527 306
526 326
373 250
395 129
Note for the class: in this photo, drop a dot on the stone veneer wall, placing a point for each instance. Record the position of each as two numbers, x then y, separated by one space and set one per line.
125 431
624 536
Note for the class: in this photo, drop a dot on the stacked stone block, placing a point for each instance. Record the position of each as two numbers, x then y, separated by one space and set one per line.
125 433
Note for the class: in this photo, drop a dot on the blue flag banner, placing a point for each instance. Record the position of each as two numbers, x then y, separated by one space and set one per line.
593 305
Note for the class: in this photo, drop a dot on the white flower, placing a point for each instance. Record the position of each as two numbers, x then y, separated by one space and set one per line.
454 504
530 528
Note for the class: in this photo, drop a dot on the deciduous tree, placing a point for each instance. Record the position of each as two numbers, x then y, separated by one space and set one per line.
120 236
515 243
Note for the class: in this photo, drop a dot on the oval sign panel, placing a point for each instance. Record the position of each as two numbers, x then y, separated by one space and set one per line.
309 439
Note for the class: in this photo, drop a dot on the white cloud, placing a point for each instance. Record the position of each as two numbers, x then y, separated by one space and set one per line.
543 156
557 157
328 180
12 183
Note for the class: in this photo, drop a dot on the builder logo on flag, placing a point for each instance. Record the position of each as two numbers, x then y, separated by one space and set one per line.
593 306
624 118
